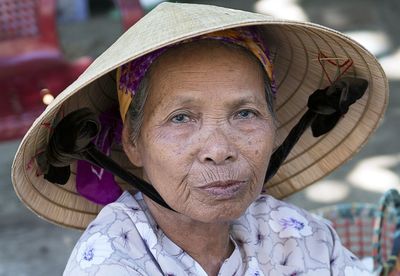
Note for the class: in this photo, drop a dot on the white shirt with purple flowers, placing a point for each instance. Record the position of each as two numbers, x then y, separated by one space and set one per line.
271 238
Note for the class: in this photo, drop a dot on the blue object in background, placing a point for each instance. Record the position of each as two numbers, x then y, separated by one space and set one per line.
72 10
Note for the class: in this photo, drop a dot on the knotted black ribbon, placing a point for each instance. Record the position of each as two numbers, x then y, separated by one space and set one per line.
72 140
325 108
72 137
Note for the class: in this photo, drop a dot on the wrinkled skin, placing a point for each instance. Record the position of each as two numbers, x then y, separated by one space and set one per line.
206 122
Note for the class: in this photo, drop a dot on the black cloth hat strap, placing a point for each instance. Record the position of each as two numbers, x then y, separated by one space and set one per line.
71 140
72 137
325 108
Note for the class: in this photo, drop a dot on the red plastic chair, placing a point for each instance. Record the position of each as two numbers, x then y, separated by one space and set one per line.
131 11
30 60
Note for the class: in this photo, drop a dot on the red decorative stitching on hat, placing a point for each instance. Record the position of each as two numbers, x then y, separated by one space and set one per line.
348 62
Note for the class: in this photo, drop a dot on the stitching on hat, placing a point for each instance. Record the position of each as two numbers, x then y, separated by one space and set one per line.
348 62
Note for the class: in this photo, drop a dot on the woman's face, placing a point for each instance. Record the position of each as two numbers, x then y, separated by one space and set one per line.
207 134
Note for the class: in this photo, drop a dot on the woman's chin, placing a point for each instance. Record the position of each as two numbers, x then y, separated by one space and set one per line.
218 210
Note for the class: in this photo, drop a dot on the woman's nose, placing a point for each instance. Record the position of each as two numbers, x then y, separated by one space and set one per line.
218 149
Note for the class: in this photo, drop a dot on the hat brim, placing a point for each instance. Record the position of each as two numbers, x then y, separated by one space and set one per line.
295 47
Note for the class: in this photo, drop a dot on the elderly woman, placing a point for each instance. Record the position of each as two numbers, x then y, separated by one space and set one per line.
204 111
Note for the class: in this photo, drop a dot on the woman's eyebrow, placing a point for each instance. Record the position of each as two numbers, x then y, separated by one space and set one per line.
236 103
188 100
182 100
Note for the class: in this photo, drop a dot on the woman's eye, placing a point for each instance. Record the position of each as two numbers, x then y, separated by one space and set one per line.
245 114
180 118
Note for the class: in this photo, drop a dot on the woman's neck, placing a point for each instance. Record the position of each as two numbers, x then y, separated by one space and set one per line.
208 243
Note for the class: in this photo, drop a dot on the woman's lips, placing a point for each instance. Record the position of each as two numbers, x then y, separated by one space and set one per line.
224 189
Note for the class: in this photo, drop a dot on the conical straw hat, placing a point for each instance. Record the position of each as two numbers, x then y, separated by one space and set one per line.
298 50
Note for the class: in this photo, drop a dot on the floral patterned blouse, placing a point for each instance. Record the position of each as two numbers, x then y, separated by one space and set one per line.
271 238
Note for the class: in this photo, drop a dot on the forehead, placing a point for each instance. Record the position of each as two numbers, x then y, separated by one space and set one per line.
203 65
206 53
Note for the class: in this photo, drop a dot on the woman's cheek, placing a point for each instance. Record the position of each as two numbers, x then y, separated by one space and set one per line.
258 148
169 151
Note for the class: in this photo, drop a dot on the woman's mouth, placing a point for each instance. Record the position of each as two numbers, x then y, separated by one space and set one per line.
224 189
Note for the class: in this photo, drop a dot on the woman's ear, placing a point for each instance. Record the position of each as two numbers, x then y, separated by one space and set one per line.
131 148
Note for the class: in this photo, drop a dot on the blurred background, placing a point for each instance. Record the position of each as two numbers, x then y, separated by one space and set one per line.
48 43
